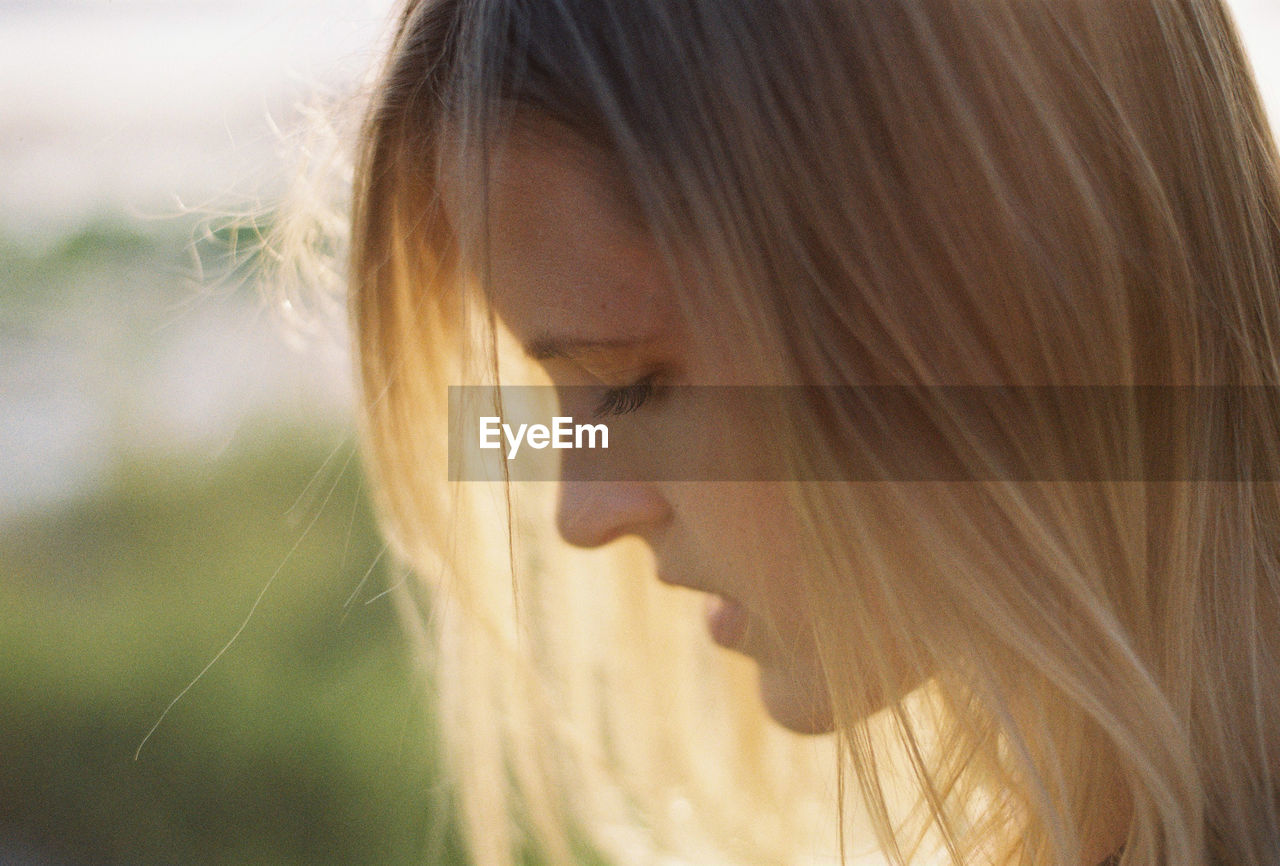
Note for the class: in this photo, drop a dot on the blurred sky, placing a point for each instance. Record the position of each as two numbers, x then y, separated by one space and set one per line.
137 103
115 110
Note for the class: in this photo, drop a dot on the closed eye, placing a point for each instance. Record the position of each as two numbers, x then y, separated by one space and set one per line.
627 398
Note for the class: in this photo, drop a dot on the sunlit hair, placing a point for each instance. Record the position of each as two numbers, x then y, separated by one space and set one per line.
1017 192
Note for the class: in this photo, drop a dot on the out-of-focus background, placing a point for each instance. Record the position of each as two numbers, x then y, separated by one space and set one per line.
177 460
176 452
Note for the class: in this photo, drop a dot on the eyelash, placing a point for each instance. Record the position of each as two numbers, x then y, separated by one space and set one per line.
626 399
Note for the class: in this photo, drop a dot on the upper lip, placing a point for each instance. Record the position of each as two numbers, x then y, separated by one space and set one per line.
665 577
673 580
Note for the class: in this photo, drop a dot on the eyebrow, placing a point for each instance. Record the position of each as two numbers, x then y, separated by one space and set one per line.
549 346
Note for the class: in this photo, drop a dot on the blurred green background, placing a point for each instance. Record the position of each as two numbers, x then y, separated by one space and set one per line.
308 741
177 463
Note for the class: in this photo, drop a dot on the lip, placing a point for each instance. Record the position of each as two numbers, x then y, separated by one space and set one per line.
669 580
666 578
726 617
727 621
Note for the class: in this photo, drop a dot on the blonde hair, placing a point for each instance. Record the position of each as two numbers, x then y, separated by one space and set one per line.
1011 192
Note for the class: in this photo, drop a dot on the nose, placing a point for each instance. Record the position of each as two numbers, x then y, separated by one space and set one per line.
592 513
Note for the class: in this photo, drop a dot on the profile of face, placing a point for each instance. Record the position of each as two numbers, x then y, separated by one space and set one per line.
577 280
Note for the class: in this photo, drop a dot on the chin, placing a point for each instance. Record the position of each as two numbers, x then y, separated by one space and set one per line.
800 704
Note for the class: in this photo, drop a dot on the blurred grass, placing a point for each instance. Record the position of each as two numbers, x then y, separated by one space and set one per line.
308 742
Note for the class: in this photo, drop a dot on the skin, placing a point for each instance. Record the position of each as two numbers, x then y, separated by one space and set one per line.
585 290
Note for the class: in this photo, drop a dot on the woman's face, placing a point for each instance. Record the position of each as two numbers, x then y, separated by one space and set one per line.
581 285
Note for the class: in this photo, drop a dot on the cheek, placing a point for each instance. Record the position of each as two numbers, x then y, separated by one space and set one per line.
745 533
774 545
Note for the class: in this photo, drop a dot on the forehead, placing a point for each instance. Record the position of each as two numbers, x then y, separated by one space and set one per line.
566 253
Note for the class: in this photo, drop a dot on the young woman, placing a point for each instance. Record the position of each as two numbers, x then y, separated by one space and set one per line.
1033 667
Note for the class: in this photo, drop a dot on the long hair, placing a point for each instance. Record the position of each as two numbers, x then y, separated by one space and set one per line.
924 192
